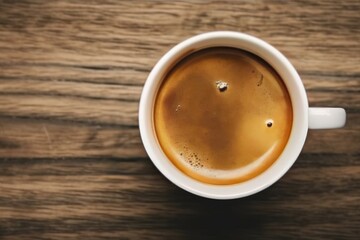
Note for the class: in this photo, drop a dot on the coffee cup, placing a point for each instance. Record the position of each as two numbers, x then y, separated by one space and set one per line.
302 117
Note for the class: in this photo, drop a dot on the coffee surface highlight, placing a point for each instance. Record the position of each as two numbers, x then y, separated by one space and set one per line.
222 115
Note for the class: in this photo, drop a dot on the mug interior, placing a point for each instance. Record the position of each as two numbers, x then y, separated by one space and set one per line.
273 57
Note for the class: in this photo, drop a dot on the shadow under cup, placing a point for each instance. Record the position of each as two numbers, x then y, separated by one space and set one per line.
264 51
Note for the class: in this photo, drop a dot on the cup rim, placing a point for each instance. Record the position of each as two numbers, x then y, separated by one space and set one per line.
295 88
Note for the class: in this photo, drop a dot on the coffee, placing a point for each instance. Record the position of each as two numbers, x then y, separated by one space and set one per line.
222 115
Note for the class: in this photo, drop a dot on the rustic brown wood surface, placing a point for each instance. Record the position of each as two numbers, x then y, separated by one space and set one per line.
72 164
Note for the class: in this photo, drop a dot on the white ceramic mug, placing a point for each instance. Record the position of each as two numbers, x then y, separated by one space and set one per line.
303 116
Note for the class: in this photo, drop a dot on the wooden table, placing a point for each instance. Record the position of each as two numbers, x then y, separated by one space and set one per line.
72 164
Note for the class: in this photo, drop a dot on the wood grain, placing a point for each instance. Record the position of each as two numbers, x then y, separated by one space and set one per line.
72 164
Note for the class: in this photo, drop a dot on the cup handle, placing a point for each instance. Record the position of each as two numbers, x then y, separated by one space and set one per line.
325 118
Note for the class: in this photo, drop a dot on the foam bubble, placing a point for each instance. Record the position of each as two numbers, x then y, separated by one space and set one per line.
193 159
269 123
